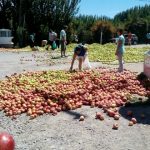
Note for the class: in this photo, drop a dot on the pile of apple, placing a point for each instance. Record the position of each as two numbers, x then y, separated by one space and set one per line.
51 92
106 53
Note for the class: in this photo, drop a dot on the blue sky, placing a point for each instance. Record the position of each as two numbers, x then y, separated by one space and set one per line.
108 7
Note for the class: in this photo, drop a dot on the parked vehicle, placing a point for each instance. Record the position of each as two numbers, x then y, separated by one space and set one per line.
134 39
6 38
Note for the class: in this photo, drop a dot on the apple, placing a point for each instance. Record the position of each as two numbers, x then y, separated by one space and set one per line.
116 117
6 141
98 115
111 113
101 118
81 118
115 126
130 123
134 120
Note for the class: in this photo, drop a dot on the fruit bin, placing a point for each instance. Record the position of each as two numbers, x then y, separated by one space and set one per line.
147 63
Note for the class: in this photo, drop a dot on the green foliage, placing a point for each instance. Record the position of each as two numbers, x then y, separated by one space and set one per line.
83 24
5 13
102 31
41 15
31 14
136 20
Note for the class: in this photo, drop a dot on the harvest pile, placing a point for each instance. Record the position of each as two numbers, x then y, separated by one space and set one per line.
51 92
97 53
106 53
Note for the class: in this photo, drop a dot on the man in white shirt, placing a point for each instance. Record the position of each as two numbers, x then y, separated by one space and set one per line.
63 41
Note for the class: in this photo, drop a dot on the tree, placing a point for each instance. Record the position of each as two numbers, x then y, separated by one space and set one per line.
136 20
54 13
102 31
25 16
5 13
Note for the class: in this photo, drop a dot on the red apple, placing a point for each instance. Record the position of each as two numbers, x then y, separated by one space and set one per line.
111 113
6 141
134 120
115 126
101 118
116 117
98 115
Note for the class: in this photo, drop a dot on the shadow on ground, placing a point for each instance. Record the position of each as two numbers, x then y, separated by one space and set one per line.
76 115
141 111
56 57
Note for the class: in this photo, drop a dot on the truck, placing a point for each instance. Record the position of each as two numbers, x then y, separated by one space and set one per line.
6 38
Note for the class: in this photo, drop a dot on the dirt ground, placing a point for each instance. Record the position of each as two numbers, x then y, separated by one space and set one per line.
64 131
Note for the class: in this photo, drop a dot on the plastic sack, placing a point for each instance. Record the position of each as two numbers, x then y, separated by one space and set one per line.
54 46
86 63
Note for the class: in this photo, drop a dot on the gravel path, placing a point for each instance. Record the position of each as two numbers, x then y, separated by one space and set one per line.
65 131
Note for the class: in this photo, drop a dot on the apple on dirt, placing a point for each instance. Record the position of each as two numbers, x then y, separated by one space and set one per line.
134 120
111 113
116 116
115 126
81 118
131 123
99 116
6 141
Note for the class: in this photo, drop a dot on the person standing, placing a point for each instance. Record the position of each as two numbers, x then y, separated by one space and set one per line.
129 38
148 38
120 49
32 40
51 39
63 41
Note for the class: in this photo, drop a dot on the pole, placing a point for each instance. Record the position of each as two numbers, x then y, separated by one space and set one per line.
101 37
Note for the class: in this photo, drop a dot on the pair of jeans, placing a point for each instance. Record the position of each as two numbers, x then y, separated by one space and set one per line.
120 59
